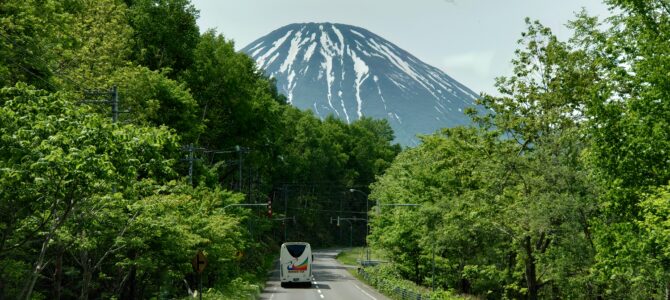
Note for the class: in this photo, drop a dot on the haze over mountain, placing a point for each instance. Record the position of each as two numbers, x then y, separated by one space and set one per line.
351 72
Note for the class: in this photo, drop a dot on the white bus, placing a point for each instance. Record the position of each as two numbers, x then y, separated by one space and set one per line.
295 263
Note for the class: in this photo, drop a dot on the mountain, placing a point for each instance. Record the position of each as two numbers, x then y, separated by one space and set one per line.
351 72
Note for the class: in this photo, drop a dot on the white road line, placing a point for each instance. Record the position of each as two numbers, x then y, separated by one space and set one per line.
364 292
317 287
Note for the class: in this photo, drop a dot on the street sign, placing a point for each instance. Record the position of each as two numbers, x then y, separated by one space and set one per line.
199 262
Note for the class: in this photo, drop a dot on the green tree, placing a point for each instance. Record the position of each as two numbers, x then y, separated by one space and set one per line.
62 44
504 203
63 164
97 43
628 122
165 34
236 104
29 41
150 98
371 149
542 111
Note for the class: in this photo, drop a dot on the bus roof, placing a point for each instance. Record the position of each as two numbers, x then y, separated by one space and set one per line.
295 243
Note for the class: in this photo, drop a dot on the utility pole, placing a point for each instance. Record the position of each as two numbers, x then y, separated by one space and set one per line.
113 99
284 223
285 191
340 233
432 285
351 226
367 221
190 164
191 158
115 105
239 164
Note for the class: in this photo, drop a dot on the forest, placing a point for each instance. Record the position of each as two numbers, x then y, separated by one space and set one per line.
126 134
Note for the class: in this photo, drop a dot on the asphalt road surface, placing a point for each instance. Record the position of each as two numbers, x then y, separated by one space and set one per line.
330 281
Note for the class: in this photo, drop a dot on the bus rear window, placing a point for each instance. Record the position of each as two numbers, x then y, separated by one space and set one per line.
295 250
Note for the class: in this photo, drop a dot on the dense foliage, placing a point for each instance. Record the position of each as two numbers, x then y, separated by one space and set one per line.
104 200
562 190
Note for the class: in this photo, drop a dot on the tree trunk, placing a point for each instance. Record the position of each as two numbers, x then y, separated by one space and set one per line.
58 274
417 274
133 283
586 229
667 290
86 274
129 289
39 266
531 272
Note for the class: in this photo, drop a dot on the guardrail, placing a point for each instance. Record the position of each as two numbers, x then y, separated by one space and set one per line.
402 293
369 263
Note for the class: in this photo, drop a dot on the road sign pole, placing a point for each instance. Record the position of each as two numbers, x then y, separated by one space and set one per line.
199 264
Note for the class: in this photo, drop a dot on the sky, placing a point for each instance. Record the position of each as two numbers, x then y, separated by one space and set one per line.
473 41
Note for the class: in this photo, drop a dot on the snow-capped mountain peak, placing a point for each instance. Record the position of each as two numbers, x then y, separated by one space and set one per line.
351 72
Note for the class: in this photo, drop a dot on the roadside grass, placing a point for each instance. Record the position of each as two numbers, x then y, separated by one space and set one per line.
352 257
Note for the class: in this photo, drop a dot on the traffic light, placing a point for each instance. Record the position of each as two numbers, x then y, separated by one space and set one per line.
269 207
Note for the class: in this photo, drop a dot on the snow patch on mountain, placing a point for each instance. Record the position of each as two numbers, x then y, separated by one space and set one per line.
361 70
275 45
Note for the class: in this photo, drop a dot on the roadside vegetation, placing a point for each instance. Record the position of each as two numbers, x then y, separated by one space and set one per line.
561 192
126 133
384 276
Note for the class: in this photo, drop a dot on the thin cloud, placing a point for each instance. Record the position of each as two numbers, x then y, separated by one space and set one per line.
478 63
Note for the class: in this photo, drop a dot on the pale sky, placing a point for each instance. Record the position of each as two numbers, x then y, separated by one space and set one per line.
471 40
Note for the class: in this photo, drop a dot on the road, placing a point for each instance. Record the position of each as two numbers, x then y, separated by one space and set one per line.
331 281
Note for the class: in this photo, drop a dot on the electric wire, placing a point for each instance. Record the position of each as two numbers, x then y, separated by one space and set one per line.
45 64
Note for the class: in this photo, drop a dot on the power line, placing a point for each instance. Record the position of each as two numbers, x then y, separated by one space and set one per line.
46 65
33 74
329 210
